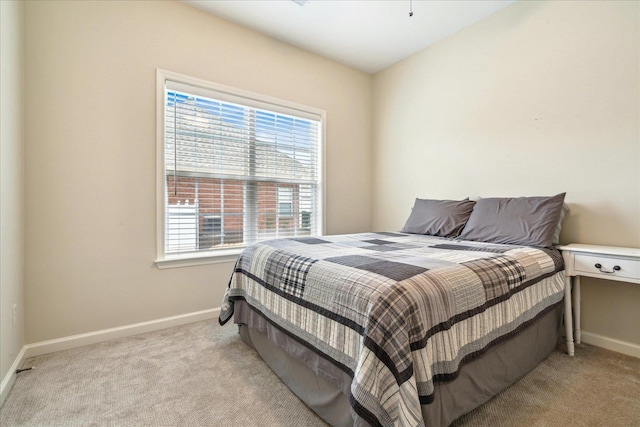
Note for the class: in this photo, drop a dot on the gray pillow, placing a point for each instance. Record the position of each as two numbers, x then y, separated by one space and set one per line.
556 233
444 218
530 221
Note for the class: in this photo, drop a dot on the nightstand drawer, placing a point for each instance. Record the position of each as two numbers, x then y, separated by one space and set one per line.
618 267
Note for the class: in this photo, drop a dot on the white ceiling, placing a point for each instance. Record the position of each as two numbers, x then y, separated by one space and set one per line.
368 35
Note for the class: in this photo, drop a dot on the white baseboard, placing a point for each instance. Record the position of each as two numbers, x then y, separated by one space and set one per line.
67 343
612 344
10 378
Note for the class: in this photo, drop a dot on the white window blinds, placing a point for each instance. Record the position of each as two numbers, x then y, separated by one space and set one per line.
237 170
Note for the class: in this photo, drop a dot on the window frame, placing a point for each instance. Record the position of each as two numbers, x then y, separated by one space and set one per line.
164 260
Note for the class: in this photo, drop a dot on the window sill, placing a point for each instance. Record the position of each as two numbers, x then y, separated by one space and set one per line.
187 260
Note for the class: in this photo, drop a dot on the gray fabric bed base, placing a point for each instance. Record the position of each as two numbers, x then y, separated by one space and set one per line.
325 388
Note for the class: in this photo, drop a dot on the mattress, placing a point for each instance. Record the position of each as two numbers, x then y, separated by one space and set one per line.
397 314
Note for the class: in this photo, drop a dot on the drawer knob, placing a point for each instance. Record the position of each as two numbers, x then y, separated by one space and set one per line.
615 268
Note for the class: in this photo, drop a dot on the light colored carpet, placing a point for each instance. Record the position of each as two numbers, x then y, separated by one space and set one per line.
193 375
203 375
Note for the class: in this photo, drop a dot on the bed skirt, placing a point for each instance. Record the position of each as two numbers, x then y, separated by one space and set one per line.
325 388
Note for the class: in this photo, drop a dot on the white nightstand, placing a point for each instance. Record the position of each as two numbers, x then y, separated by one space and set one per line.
603 262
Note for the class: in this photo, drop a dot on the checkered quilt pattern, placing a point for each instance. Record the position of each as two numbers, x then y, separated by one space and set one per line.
397 312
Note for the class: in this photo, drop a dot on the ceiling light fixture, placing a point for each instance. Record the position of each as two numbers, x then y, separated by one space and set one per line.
410 8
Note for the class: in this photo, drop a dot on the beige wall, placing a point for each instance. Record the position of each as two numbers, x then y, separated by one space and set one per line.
12 337
537 99
540 98
90 152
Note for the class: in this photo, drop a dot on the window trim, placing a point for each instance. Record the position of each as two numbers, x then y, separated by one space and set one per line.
164 260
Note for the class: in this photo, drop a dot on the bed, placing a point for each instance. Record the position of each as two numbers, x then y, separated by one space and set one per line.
403 328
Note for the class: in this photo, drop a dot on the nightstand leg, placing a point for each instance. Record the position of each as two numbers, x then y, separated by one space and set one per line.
568 315
576 307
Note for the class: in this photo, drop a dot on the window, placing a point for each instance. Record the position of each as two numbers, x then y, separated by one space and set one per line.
285 201
233 168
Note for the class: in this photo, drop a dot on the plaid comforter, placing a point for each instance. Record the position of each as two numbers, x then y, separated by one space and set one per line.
397 312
